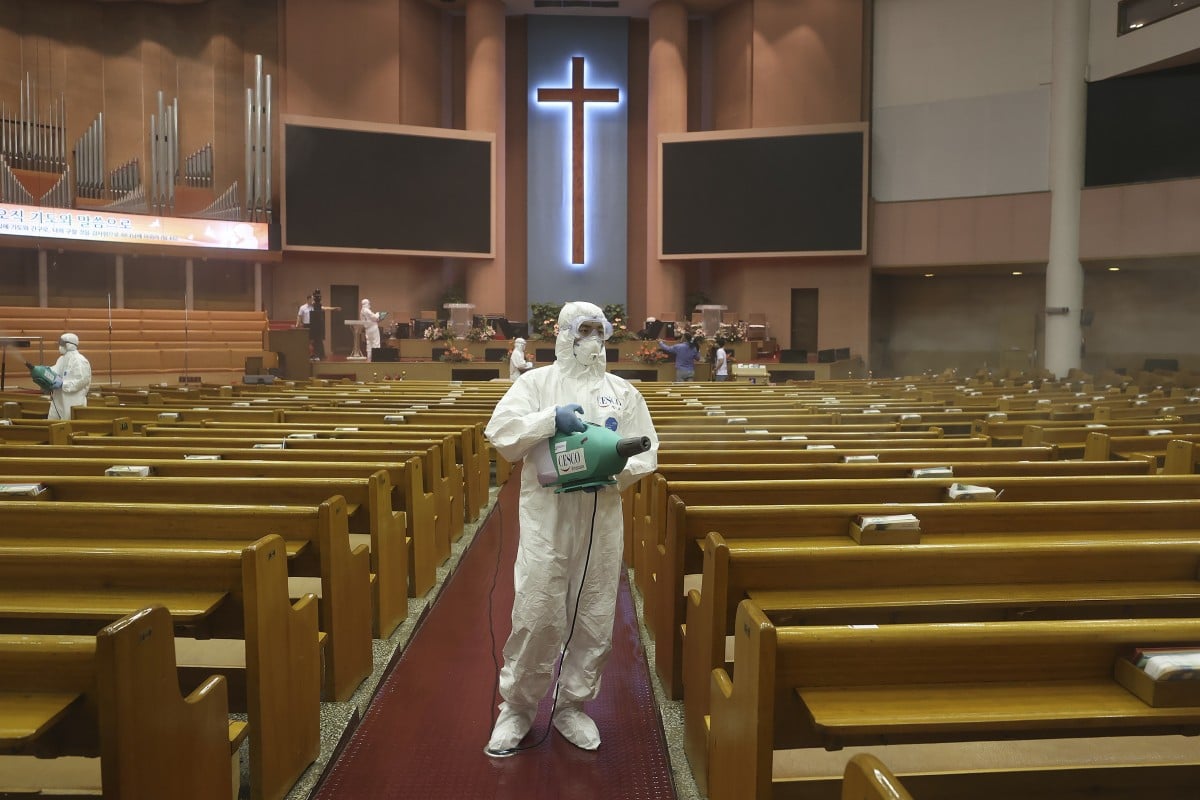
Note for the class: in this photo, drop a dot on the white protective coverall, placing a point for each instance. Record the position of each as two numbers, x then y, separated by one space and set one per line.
76 373
555 530
517 362
370 321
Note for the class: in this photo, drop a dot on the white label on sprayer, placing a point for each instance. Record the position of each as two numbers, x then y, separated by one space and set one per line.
571 461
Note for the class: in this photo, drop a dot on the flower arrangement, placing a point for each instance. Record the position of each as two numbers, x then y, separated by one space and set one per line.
452 353
438 333
543 320
732 331
615 314
650 353
482 333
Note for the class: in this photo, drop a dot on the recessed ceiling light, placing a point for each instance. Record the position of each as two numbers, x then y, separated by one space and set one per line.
1114 269
1017 272
928 274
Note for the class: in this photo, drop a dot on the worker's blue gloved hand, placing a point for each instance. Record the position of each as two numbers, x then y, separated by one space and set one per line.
57 382
567 418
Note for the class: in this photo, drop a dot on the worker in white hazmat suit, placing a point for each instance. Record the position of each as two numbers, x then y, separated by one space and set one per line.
517 362
73 378
555 533
370 322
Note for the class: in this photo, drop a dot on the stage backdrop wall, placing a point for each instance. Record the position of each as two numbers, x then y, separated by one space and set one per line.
601 278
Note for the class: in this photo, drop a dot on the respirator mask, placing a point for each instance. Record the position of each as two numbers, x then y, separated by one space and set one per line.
590 333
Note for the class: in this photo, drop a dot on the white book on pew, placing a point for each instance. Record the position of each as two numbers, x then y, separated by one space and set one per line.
1174 666
799 437
819 447
967 491
1159 432
201 457
861 459
932 472
10 490
267 446
886 529
128 471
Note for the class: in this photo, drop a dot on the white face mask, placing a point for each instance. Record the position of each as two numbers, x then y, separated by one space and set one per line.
589 350
62 349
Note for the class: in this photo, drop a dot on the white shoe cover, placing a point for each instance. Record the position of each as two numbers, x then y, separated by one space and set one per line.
511 726
577 727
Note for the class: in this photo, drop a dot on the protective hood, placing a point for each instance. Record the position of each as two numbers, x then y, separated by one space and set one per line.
518 343
569 318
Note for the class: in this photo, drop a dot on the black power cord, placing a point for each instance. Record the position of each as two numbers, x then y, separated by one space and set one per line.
512 751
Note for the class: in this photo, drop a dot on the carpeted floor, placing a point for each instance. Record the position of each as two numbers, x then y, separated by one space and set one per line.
424 732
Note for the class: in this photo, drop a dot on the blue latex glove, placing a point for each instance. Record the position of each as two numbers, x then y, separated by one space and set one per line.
567 418
57 382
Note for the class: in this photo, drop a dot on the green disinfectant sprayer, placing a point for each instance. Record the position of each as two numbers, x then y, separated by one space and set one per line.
585 460
42 376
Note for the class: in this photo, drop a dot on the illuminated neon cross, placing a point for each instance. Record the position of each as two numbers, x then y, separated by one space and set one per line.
577 95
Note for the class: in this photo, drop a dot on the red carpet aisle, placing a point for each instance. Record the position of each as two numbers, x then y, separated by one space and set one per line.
424 734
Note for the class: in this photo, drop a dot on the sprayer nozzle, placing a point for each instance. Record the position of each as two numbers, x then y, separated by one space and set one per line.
632 446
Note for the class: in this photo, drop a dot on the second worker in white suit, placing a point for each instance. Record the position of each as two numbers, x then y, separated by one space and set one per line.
557 530
370 321
518 363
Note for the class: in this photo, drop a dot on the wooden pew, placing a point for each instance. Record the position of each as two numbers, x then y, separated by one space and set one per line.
446 476
801 456
648 502
868 778
1103 446
116 695
319 534
368 501
832 686
429 546
687 526
1181 458
907 490
805 584
269 650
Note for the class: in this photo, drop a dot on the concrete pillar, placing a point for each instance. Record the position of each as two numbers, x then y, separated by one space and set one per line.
667 113
485 112
43 279
188 283
119 282
1068 106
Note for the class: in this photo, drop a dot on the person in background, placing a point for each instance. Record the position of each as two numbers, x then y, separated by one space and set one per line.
686 353
568 564
720 362
316 327
304 313
73 378
370 321
517 362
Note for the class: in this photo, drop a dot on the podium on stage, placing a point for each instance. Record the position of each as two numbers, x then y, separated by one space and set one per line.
461 317
710 319
357 353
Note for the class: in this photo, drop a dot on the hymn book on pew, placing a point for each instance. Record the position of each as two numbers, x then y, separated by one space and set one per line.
21 491
886 529
968 491
1169 663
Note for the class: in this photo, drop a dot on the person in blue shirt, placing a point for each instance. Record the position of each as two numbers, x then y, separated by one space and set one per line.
686 353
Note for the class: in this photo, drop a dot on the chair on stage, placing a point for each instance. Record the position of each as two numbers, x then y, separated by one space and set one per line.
756 326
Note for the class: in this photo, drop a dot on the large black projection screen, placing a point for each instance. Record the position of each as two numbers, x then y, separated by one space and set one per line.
764 192
387 189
